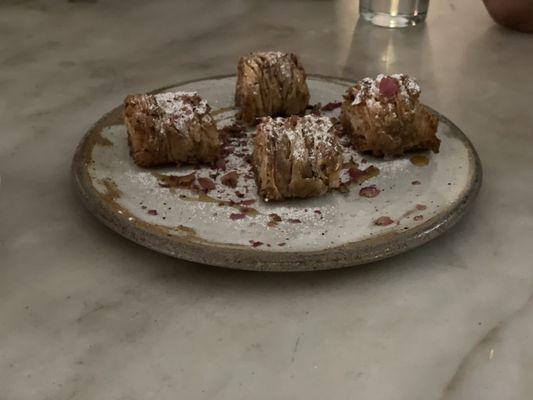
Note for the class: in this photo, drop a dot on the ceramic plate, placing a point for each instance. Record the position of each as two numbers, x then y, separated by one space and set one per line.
416 198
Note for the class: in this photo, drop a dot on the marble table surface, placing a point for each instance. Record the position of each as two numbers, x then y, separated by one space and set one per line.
85 314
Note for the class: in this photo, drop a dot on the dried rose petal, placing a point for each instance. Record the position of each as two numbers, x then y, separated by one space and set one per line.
221 164
388 86
418 217
195 188
295 221
332 106
230 179
355 173
383 221
421 207
206 184
239 194
275 217
152 212
247 202
177 180
315 110
255 243
236 216
358 176
369 191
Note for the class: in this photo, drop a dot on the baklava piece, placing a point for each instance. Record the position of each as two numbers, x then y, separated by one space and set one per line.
384 117
170 128
270 84
296 157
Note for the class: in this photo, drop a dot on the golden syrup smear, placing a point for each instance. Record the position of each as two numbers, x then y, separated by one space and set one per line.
419 160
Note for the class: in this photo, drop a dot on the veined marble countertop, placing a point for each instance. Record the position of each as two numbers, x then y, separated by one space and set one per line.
85 314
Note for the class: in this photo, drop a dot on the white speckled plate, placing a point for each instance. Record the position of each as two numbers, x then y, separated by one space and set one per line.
333 231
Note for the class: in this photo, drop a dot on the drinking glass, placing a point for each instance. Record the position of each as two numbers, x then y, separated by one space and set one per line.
394 13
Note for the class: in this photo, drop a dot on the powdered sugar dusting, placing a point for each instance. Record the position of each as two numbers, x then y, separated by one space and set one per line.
307 136
181 107
297 140
272 56
279 60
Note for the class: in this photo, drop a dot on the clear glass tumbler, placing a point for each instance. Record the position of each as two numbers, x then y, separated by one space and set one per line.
394 13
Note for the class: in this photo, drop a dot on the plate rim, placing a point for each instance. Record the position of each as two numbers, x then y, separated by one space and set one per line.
247 258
